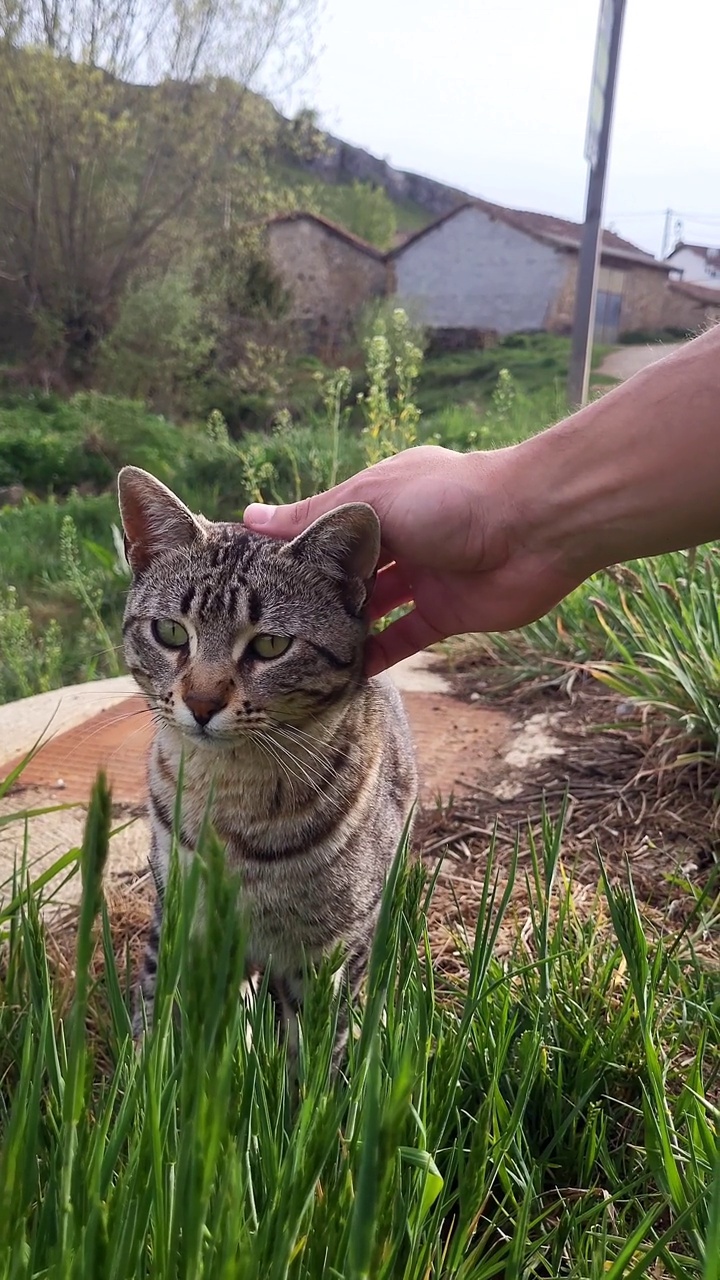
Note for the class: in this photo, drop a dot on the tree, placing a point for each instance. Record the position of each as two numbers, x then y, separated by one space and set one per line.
120 124
365 210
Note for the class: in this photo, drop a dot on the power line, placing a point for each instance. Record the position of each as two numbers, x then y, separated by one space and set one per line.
660 213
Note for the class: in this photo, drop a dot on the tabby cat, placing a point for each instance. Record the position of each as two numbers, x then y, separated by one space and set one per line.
250 652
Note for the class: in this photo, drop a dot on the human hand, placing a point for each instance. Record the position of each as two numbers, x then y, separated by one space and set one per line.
461 539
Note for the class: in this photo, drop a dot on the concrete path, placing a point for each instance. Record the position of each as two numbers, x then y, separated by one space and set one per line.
105 724
626 361
47 715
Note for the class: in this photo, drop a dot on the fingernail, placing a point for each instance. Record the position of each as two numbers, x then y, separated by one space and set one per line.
258 514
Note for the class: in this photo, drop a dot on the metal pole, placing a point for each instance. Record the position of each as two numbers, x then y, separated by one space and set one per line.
667 234
586 291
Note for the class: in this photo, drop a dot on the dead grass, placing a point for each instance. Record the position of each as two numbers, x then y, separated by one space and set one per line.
626 800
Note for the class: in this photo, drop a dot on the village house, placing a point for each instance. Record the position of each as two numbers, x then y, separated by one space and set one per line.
330 276
691 306
484 267
696 264
477 271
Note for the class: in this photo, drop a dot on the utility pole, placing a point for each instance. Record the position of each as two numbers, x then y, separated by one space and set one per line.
667 234
602 100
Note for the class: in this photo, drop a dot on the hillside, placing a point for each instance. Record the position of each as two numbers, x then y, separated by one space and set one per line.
341 162
331 165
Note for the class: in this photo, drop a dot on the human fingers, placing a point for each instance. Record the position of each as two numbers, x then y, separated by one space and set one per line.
410 634
292 519
391 589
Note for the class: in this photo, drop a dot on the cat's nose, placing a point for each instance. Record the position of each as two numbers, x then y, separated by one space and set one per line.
203 707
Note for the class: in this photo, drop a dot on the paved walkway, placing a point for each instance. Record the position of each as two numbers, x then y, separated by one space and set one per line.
107 725
626 361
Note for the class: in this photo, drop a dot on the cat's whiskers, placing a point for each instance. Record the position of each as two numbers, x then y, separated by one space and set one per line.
125 742
109 724
326 729
289 763
318 782
110 648
266 746
303 754
309 741
88 692
324 753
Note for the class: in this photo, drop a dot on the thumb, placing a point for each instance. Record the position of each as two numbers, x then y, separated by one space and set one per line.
290 520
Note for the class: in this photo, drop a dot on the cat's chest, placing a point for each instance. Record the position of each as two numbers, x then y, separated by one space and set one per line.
247 801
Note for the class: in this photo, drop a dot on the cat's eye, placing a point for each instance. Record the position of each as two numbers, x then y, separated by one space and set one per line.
267 646
169 633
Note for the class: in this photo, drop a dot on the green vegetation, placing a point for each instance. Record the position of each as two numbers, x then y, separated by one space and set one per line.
110 183
130 228
550 1115
361 208
66 453
649 630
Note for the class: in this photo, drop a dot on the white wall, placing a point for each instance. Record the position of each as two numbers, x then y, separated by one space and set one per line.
476 272
696 270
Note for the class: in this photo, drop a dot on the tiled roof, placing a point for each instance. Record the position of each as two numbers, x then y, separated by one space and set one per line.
707 252
698 292
559 232
298 215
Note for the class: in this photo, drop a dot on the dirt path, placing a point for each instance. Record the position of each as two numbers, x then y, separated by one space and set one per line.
457 742
486 770
626 361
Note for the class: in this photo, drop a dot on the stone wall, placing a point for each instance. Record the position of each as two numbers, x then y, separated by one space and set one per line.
685 312
476 272
560 312
330 279
644 298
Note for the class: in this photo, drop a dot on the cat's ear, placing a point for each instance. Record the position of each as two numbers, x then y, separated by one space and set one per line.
344 543
153 519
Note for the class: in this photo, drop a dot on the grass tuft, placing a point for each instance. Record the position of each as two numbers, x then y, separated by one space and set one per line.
552 1114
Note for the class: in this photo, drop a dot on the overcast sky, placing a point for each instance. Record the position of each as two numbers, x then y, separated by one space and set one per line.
491 96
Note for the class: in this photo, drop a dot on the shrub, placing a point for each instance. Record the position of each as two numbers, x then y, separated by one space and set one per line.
158 341
31 661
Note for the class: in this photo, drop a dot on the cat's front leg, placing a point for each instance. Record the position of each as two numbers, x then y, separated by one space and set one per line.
144 1005
143 1014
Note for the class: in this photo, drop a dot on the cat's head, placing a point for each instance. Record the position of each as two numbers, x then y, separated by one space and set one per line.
231 632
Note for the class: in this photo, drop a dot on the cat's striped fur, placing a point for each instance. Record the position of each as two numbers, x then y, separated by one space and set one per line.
310 765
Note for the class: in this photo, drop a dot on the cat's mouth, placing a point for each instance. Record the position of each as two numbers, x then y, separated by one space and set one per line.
209 737
219 737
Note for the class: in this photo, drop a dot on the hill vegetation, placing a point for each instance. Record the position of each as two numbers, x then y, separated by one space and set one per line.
126 258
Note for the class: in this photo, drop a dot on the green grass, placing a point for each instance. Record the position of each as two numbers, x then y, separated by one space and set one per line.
546 1116
59 450
649 630
537 363
663 632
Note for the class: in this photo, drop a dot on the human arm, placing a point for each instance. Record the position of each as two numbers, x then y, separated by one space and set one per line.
490 541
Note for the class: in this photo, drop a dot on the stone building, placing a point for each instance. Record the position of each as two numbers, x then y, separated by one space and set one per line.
484 267
691 306
329 274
